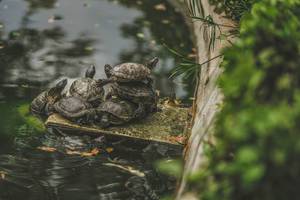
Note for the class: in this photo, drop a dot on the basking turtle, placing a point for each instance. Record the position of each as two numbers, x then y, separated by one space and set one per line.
117 112
136 92
129 72
42 105
87 88
75 109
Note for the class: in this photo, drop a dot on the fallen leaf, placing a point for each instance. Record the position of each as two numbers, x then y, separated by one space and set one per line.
94 152
109 149
70 152
126 168
179 139
160 7
48 149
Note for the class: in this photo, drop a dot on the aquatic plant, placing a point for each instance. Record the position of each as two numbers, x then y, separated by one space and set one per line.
30 121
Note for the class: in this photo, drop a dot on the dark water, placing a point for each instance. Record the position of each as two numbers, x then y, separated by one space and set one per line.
42 40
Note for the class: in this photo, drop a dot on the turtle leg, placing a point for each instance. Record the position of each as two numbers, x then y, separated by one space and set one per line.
139 112
49 109
150 81
91 115
104 121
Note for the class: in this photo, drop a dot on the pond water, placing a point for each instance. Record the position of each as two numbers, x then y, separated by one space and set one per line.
43 40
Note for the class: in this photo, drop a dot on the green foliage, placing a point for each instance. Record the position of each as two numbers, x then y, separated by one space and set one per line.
170 167
257 140
31 121
234 9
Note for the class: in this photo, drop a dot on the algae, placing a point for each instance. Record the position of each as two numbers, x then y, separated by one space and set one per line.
168 126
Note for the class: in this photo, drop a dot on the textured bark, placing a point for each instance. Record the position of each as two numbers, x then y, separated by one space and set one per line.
208 95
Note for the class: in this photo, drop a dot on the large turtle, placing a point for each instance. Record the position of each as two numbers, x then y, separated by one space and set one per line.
42 105
129 72
87 88
136 92
117 112
75 109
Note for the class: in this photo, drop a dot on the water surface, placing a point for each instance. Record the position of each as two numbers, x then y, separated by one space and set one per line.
41 41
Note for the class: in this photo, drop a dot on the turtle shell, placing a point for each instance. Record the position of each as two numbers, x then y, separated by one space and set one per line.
119 110
135 92
130 71
72 107
38 104
88 90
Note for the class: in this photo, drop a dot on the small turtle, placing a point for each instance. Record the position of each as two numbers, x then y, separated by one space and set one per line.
42 105
75 109
87 88
136 92
117 112
129 72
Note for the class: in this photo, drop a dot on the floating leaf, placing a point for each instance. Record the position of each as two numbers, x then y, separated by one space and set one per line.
94 152
126 168
179 139
71 152
109 149
48 149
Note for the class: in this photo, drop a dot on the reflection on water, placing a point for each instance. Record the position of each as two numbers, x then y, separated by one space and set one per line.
33 174
42 40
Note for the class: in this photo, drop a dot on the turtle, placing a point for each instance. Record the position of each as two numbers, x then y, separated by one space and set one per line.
87 88
116 112
75 109
42 105
136 92
131 72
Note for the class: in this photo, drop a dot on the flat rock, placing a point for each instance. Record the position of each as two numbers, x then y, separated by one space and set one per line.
168 126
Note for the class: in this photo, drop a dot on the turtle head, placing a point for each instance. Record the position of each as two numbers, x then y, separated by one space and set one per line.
90 72
55 92
107 70
152 63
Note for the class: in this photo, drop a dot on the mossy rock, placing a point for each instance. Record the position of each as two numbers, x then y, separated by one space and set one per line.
167 126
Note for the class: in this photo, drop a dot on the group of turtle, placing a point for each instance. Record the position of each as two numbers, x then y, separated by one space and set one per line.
126 94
